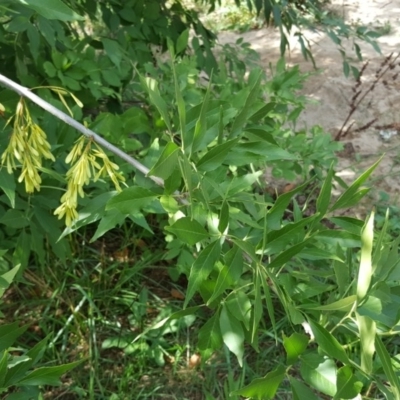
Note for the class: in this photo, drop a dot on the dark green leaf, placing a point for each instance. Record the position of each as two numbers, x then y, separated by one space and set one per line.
301 391
202 267
182 41
328 343
275 214
6 279
223 217
47 375
229 274
188 230
387 367
7 183
9 333
167 162
210 337
244 114
53 9
14 219
110 220
131 200
214 158
201 123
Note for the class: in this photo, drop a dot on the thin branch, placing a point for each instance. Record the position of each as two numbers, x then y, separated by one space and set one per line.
23 91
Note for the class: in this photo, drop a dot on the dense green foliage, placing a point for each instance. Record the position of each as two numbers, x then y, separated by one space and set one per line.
258 262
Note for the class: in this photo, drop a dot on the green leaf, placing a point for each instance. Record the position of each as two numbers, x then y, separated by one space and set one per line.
6 279
264 388
301 391
348 387
275 214
344 305
131 200
113 50
325 194
367 332
244 114
229 274
210 337
188 230
7 183
328 343
167 162
288 254
239 305
223 217
36 353
257 310
52 9
169 204
295 345
160 324
319 372
22 250
181 111
182 41
18 24
388 367
201 268
9 333
266 276
214 158
247 247
14 219
47 375
353 193
232 334
3 368
277 239
201 123
93 211
110 220
365 270
151 86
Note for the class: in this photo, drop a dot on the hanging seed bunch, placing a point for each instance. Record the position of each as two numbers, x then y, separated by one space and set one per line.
28 146
88 162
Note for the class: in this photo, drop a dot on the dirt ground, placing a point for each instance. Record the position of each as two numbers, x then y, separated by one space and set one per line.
333 90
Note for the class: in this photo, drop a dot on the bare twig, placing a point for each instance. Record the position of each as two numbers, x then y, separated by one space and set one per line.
359 95
23 91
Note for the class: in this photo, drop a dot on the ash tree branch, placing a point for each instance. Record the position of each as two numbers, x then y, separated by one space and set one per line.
25 92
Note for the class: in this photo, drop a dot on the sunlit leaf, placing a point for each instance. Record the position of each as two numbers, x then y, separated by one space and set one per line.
295 345
263 388
365 270
232 334
348 387
319 372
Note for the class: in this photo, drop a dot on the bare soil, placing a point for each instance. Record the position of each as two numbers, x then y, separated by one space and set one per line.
333 91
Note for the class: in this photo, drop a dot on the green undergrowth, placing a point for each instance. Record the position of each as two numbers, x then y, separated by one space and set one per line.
190 271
